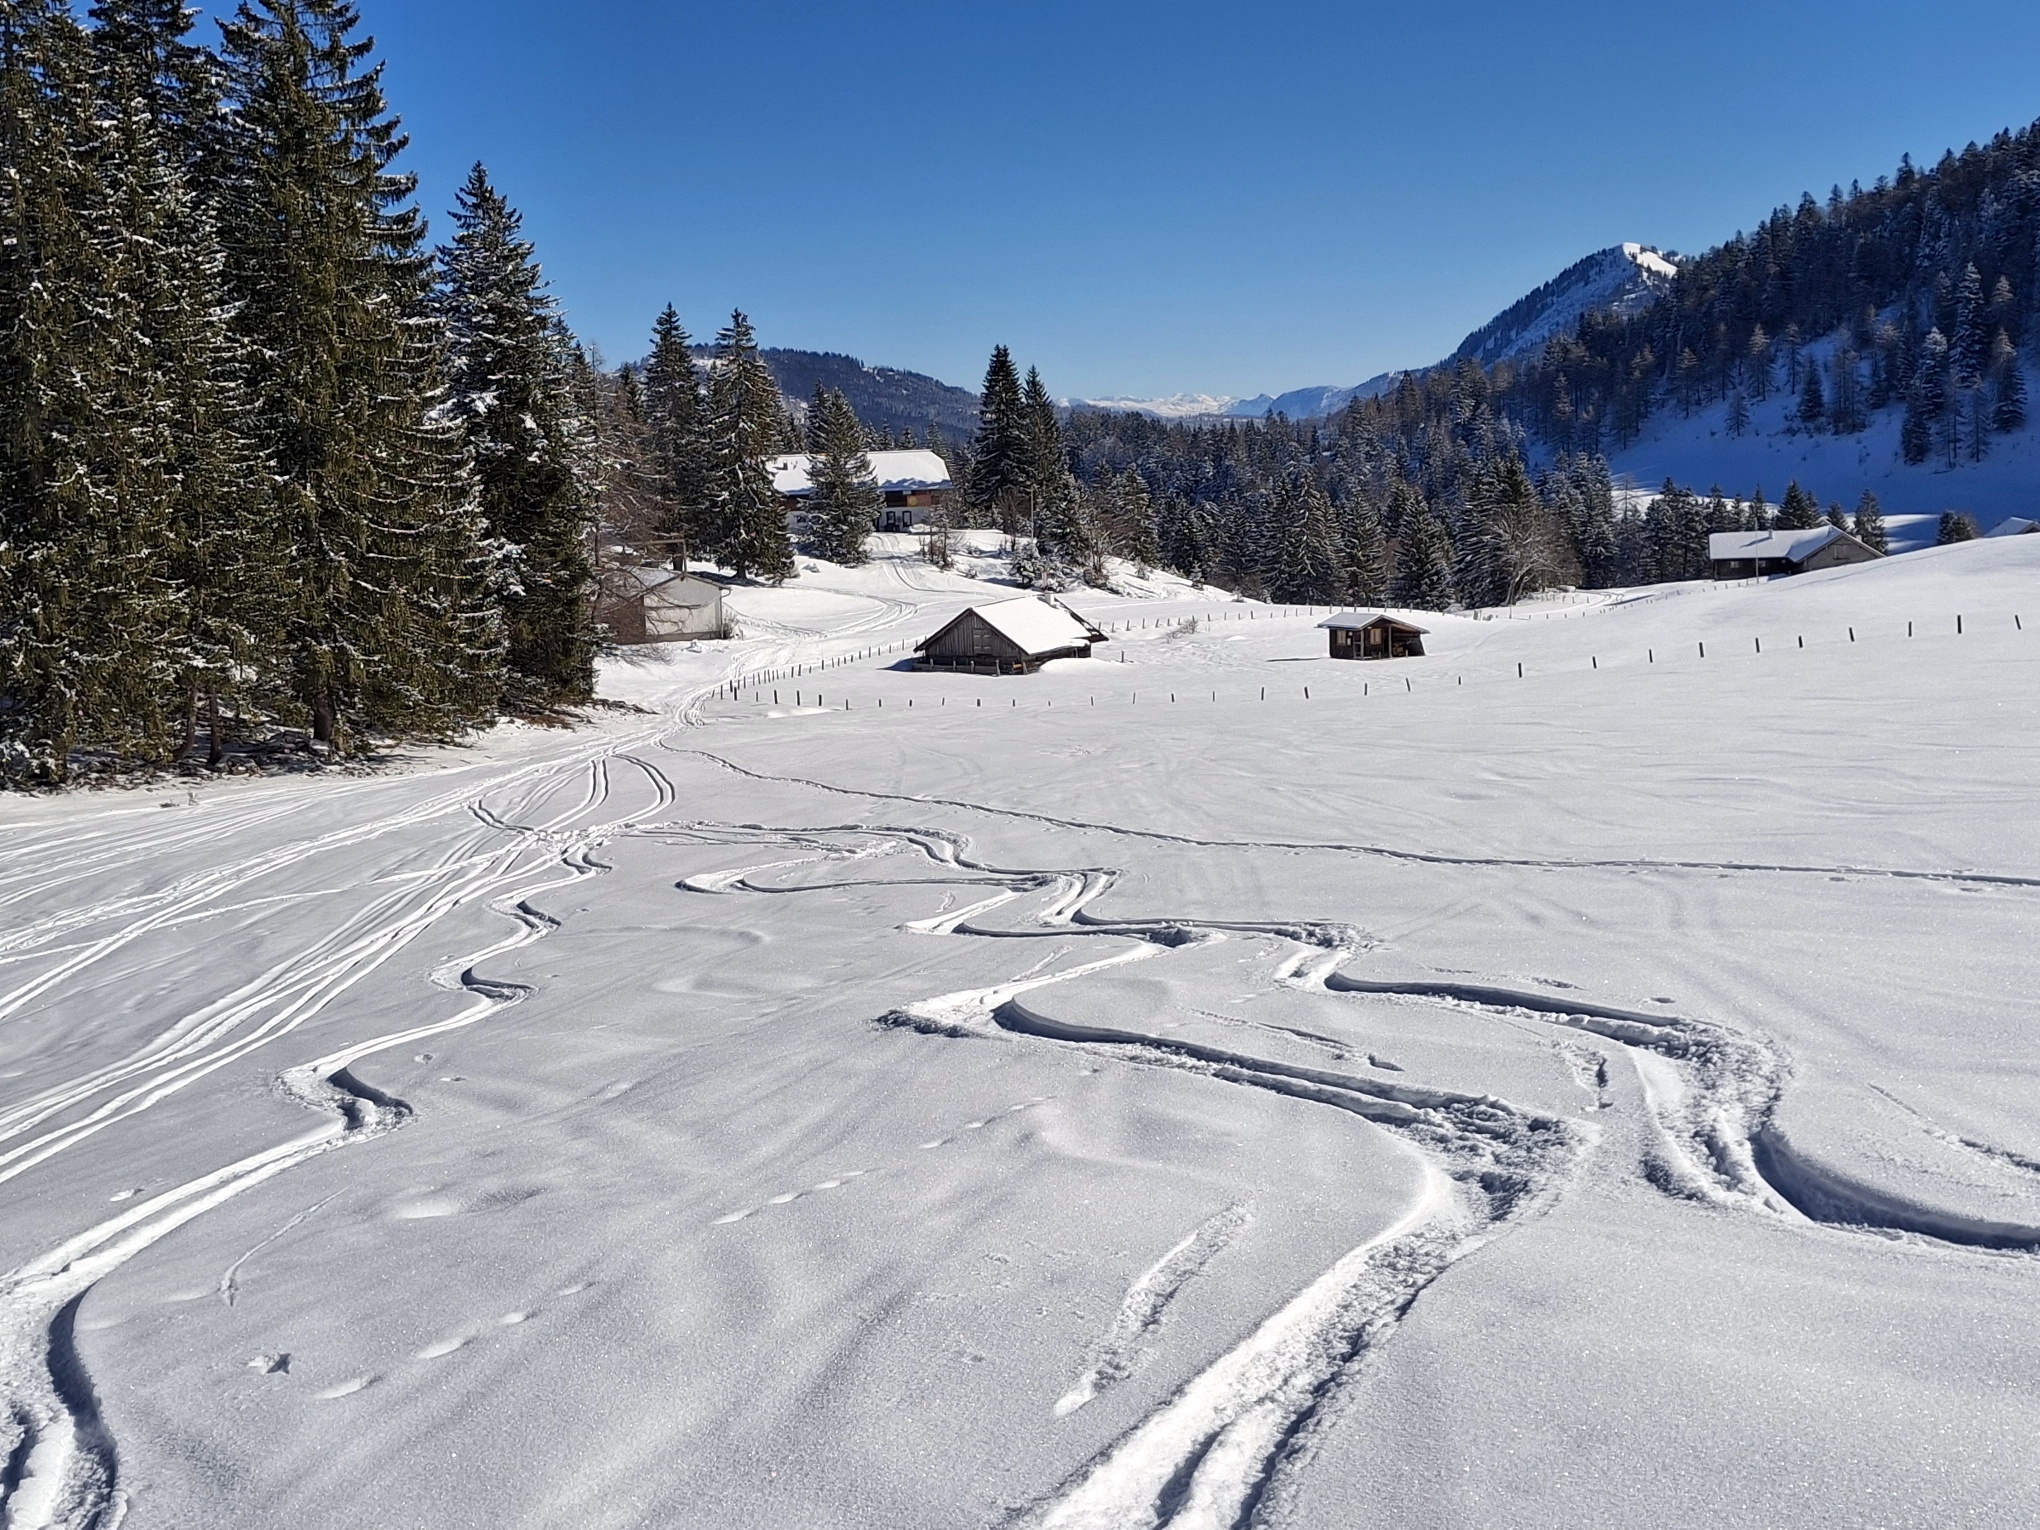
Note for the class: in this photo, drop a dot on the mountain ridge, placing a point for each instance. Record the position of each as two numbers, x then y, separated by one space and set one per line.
1621 279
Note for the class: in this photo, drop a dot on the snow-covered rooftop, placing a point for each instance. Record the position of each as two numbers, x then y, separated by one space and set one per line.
1352 621
1793 545
894 472
1033 624
2014 526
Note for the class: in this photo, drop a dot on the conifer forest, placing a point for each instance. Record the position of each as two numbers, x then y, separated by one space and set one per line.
281 474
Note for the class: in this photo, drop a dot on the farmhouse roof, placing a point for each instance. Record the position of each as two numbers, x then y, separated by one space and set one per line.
894 472
2014 526
1034 626
1792 546
671 583
1353 621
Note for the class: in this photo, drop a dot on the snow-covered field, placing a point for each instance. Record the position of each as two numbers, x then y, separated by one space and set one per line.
1585 1077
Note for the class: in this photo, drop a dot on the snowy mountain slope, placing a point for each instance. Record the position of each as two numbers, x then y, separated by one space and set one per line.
1697 450
845 1096
1313 403
1620 280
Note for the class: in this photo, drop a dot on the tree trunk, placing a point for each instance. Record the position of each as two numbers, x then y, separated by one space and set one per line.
215 750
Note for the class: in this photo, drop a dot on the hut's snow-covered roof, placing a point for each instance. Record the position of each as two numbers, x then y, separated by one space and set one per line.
894 472
2014 526
1353 621
671 586
1033 625
1793 546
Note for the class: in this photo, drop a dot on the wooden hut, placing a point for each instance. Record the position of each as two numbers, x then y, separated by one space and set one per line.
1357 635
660 605
1010 637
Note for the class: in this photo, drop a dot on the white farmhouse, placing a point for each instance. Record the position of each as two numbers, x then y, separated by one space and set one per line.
913 482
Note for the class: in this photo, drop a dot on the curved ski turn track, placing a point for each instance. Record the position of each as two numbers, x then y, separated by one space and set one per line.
273 951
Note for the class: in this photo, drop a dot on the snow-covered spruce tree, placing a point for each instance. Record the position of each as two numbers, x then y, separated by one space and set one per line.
178 83
194 440
90 622
1480 570
1423 560
1307 566
394 627
1954 527
1870 524
1916 429
1799 510
673 423
846 502
1846 406
509 384
1675 535
1592 507
1969 351
1134 532
1812 401
1542 554
1363 549
2009 409
1065 546
1184 530
746 519
1002 454
225 557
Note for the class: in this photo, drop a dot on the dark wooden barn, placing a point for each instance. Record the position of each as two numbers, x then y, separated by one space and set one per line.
1356 635
1011 637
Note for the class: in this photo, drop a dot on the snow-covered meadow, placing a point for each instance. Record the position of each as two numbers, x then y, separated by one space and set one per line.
1585 1076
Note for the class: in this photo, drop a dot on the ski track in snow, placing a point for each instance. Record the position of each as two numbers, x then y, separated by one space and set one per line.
1220 1454
1146 1303
58 1468
1217 1453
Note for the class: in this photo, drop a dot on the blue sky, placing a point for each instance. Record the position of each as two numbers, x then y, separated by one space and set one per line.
1148 198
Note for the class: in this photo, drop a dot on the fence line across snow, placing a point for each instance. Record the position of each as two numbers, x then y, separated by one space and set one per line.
732 690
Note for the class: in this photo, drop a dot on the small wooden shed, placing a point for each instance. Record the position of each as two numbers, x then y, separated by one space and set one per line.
1359 635
1009 637
660 605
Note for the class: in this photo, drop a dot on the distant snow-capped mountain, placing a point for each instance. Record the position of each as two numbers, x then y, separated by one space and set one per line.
1181 406
1621 280
1298 404
1312 403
